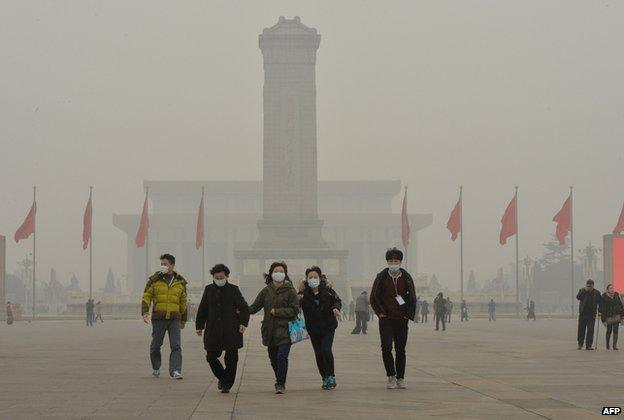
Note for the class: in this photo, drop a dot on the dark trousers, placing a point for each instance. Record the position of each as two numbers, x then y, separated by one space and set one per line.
279 362
464 316
424 318
98 316
440 318
159 328
393 331
89 319
586 324
361 322
322 345
612 328
227 374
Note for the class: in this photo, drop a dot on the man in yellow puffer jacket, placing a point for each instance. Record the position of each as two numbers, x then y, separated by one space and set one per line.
166 291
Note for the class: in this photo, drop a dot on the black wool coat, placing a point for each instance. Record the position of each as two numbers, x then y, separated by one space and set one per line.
220 314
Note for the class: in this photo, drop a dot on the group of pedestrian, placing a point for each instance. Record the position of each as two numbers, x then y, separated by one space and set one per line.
223 317
93 312
608 306
361 314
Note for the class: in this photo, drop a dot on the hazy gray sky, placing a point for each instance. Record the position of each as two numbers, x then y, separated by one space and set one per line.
488 94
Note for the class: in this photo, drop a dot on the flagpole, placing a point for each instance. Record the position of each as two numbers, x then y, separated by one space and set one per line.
34 276
203 239
91 245
146 234
572 250
461 243
517 259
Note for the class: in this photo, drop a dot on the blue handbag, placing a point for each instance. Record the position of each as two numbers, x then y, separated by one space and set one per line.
297 330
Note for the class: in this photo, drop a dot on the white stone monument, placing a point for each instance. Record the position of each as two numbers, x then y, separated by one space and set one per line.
290 228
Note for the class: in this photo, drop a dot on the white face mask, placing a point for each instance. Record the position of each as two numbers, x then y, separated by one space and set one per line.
164 269
278 277
314 282
394 268
220 283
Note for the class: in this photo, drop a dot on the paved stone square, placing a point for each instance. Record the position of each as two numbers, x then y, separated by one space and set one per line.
508 369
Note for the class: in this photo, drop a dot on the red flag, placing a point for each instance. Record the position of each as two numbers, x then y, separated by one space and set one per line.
141 234
405 227
454 221
86 224
508 222
28 226
620 225
564 221
199 235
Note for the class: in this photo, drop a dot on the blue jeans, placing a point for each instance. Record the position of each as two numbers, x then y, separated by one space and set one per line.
279 362
159 328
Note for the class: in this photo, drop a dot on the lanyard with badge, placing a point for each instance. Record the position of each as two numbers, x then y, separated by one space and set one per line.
398 297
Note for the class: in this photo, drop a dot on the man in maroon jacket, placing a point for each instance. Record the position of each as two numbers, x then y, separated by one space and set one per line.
393 298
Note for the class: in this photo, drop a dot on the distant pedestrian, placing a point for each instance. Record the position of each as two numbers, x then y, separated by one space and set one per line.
439 309
393 298
492 310
89 312
424 311
361 314
98 312
449 309
418 305
463 311
531 310
351 311
9 311
611 312
589 301
222 317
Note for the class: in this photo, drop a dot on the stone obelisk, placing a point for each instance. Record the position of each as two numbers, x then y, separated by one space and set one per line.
290 210
290 228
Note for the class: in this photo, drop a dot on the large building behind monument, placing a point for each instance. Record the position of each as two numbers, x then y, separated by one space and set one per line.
344 226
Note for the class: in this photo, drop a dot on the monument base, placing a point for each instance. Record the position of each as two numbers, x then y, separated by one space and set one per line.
251 264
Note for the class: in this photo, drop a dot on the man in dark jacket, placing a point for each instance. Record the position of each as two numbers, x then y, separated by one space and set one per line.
224 315
361 314
589 299
439 311
393 298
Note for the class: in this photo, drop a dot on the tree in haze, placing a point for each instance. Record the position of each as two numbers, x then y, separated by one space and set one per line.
472 287
434 284
74 285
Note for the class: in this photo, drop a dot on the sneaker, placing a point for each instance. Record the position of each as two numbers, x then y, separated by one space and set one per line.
325 383
331 382
392 382
579 347
280 389
401 383
176 375
155 373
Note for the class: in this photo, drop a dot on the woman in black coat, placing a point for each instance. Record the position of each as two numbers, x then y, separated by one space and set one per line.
321 305
224 315
611 311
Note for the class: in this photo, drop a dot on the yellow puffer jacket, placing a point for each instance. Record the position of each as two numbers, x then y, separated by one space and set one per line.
169 299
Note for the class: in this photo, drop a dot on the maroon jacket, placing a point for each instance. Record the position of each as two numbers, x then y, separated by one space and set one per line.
383 296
